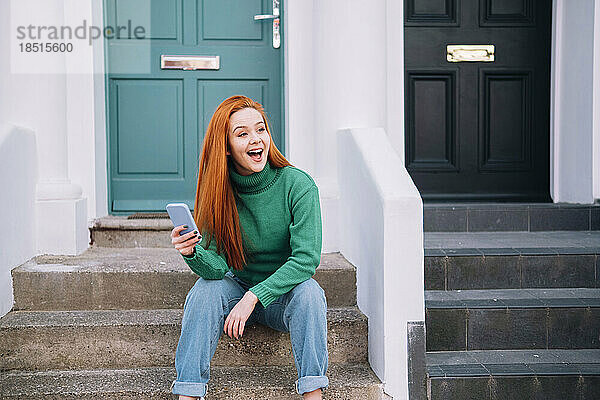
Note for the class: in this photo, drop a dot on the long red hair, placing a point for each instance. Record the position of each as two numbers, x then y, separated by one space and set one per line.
215 211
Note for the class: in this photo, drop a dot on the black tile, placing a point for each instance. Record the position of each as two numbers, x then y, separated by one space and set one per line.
554 369
581 356
483 303
574 328
590 388
490 272
591 302
513 388
464 370
575 250
498 251
464 251
445 220
558 388
442 299
559 219
446 329
595 218
506 329
508 369
450 358
579 270
463 272
578 356
460 388
452 303
497 220
434 252
523 303
557 271
435 273
434 371
501 272
536 251
514 356
588 369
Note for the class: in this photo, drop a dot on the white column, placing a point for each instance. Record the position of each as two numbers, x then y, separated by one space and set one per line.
39 101
572 100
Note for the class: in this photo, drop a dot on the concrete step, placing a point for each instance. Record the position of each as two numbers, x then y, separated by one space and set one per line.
44 340
512 319
514 374
511 260
478 217
355 382
121 231
138 278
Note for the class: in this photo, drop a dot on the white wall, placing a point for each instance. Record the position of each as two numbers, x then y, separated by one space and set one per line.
381 228
394 127
86 119
572 108
18 177
55 150
336 78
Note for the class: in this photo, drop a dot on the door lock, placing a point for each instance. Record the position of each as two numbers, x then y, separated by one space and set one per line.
275 18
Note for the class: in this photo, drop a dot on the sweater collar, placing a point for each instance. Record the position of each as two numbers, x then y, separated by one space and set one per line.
253 183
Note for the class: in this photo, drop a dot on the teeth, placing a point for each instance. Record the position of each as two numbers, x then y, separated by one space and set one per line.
255 152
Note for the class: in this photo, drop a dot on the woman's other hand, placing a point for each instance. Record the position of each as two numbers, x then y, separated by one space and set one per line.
185 244
236 320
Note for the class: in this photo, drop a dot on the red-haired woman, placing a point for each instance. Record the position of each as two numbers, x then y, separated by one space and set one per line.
260 221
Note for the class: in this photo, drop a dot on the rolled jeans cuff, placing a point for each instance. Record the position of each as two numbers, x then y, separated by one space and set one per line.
192 389
310 383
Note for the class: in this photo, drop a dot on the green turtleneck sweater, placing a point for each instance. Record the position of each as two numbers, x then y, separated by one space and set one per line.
280 217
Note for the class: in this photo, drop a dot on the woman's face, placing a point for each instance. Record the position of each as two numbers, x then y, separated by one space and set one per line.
249 141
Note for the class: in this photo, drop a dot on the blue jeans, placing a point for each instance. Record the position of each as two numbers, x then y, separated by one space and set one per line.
302 312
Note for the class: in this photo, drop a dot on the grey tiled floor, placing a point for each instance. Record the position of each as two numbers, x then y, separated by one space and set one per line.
475 240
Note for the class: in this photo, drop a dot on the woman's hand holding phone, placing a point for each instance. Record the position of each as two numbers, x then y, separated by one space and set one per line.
186 243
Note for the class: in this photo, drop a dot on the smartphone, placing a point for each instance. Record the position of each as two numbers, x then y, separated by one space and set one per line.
180 215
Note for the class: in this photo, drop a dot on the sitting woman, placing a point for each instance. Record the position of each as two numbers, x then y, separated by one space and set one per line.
260 221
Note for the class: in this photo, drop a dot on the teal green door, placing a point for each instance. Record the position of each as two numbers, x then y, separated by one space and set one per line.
157 118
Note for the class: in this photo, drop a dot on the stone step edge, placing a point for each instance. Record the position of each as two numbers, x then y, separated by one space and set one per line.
158 380
95 318
120 222
511 251
98 259
513 298
540 362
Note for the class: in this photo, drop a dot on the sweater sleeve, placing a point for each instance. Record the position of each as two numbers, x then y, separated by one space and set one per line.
305 243
206 262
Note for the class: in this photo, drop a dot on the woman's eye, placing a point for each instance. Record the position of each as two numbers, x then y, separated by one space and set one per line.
262 129
242 134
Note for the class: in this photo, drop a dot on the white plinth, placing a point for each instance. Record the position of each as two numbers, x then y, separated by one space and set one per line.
62 226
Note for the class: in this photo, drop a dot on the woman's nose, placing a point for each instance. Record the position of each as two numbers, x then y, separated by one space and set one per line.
254 138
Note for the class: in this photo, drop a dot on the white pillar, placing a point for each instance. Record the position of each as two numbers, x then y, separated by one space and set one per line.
39 101
572 100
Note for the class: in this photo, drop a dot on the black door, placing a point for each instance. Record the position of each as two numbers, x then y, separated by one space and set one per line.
478 130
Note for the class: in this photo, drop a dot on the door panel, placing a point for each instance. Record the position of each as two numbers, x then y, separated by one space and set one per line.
157 118
478 130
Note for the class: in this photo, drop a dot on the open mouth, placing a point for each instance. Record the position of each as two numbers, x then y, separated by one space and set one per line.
255 155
